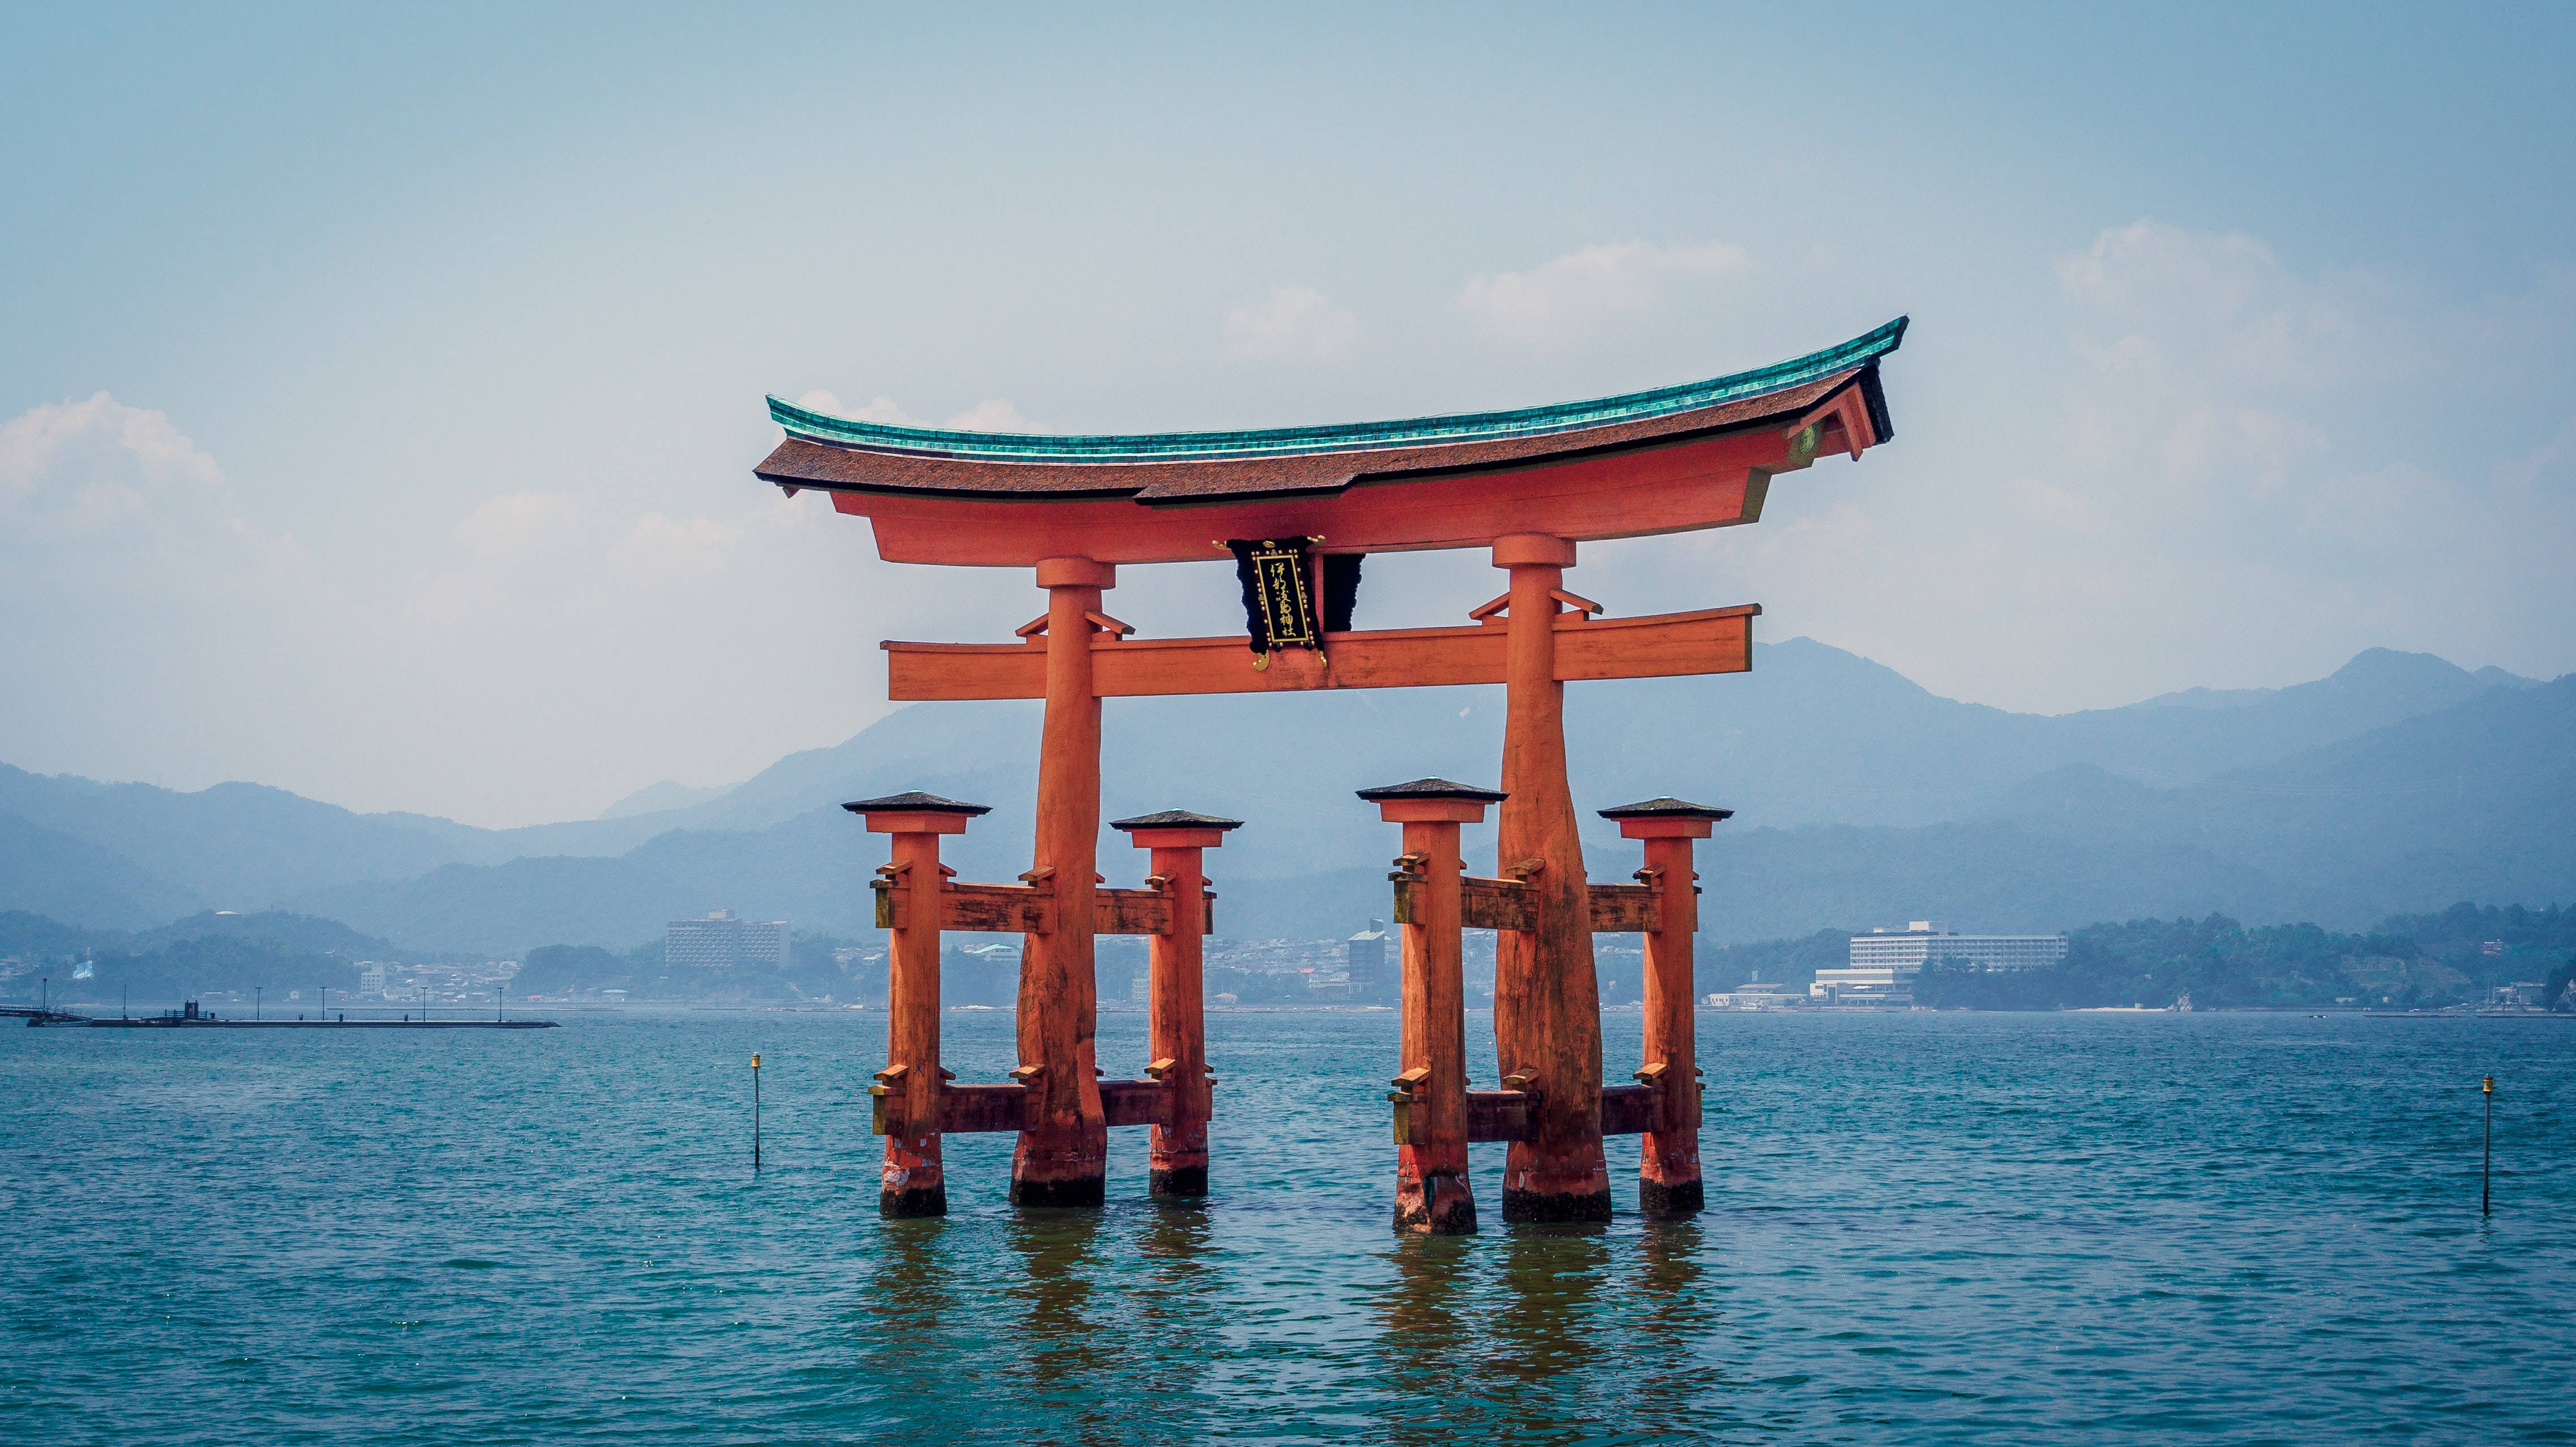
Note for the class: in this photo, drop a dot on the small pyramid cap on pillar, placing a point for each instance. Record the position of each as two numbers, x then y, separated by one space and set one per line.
1432 801
1176 829
1433 789
916 813
1667 818
1667 807
915 802
1176 819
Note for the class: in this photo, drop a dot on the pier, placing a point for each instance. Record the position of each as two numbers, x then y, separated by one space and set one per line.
189 1017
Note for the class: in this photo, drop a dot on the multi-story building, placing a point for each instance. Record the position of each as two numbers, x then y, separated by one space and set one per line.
1924 943
722 942
1370 977
1885 962
371 977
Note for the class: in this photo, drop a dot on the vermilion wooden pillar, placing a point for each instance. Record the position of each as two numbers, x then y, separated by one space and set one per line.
1177 1019
1432 1192
1062 1156
1547 1004
1668 1177
908 1088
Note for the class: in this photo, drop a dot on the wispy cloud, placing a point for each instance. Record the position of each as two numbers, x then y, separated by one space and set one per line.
1292 324
1570 296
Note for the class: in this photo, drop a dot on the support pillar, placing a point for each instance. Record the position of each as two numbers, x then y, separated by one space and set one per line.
1176 1026
1668 1175
1063 1151
908 1090
1547 1001
1432 1191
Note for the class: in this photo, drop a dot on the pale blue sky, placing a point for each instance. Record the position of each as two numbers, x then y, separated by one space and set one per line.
434 346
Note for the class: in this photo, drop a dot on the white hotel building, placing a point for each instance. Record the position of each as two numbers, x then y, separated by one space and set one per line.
722 942
1885 962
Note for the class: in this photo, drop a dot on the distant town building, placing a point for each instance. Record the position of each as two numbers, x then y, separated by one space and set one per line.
1140 989
1365 961
371 977
1924 943
722 942
1753 995
1885 962
2522 994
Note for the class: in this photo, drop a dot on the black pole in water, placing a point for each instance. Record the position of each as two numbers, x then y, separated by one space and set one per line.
2486 1165
755 1112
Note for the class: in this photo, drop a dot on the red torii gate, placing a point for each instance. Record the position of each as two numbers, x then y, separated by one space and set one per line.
1528 484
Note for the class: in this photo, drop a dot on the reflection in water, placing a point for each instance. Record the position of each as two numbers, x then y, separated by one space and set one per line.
1058 1251
1667 1319
1172 1306
1425 1347
1542 1326
909 1305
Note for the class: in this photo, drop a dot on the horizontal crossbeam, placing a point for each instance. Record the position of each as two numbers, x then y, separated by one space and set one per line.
1505 1115
1014 909
971 1109
1666 645
1506 904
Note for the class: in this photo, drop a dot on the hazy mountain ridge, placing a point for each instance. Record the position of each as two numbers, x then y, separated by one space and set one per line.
1850 765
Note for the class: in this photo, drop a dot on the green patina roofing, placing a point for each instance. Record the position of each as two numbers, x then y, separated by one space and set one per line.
1341 437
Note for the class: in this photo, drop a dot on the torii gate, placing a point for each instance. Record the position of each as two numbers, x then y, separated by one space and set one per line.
1529 484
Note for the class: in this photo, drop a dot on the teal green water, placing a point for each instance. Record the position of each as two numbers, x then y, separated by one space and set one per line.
1922 1228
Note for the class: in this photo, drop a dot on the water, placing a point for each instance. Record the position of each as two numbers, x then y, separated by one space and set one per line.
1922 1228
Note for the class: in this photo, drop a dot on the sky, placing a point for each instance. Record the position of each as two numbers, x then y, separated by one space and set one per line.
379 392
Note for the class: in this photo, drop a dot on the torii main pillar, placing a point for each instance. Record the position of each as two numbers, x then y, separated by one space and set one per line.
1063 1155
1547 1003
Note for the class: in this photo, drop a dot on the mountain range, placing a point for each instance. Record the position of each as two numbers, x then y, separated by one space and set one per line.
2400 782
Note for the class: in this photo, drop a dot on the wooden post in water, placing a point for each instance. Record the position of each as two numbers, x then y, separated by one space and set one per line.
1668 1172
909 908
2486 1157
755 1112
1432 1191
1063 1154
1176 994
1547 1002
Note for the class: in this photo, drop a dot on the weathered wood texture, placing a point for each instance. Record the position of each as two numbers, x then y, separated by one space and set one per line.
1714 640
913 1181
1624 909
1547 1001
1062 1155
1136 1102
973 1108
1176 1022
1630 1109
1024 909
1668 1165
1505 904
967 1109
1498 1115
1432 1189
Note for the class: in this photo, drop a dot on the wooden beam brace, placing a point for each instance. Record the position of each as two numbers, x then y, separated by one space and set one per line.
1506 904
1626 909
1004 909
1714 640
988 1109
1498 1115
1012 909
1631 1109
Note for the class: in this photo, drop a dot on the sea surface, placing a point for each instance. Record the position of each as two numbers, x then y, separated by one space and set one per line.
1921 1228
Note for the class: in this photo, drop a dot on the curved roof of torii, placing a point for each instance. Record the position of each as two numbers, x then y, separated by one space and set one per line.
1665 460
